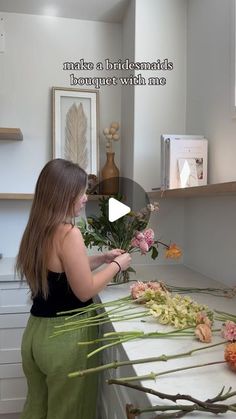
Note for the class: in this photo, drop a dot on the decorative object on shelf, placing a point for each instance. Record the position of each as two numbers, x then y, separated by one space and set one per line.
111 134
128 233
92 185
109 176
183 161
110 172
75 126
11 134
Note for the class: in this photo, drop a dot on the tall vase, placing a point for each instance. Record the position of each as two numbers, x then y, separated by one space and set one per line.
110 176
121 277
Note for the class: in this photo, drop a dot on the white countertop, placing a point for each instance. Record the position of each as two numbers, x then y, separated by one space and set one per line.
201 383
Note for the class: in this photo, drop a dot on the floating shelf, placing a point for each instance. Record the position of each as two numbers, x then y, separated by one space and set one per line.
17 196
12 134
218 189
29 196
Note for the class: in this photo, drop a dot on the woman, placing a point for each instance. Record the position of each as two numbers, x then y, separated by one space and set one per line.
53 259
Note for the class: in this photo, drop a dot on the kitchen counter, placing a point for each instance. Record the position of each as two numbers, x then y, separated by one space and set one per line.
201 383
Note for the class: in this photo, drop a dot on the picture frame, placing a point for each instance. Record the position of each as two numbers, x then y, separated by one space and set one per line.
75 126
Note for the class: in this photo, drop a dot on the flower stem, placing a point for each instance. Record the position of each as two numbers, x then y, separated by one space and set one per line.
153 375
116 364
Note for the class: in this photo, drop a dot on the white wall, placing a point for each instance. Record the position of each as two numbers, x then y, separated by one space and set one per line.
127 94
210 228
36 47
160 32
209 242
210 85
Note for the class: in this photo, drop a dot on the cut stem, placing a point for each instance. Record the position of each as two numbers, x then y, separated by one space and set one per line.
153 375
116 364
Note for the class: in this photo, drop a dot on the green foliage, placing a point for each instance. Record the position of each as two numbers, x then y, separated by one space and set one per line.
100 232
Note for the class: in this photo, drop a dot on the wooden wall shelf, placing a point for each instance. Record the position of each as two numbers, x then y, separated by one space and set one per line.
11 134
17 196
29 196
218 189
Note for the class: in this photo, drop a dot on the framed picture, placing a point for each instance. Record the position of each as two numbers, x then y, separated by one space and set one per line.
75 127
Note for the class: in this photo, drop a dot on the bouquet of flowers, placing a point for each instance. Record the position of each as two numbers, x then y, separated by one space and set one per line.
129 233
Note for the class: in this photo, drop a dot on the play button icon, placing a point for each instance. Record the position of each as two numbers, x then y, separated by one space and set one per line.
116 209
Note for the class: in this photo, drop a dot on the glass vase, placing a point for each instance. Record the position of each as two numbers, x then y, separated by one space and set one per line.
121 277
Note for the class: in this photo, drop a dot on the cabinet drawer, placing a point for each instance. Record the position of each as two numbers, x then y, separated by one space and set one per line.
11 331
11 371
12 394
14 298
11 321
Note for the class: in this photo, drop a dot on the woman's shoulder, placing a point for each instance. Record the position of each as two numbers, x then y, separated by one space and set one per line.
66 231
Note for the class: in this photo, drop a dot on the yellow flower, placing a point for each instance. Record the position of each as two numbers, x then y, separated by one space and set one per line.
173 252
230 355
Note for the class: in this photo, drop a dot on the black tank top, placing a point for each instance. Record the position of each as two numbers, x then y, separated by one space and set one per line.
60 297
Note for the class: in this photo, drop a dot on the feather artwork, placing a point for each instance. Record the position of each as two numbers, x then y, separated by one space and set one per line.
75 148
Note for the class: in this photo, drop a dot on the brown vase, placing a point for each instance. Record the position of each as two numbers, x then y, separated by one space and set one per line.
110 176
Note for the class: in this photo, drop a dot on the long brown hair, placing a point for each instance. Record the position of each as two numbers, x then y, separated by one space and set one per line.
59 184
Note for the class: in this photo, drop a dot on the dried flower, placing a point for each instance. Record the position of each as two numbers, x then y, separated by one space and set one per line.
153 207
173 252
230 355
202 318
203 333
229 331
111 134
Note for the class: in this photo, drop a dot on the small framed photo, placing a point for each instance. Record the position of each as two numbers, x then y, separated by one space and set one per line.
75 127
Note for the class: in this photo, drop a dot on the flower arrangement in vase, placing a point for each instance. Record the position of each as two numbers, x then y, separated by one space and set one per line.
129 233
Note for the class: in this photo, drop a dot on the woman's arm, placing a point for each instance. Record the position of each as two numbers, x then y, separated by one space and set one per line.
75 262
107 257
96 261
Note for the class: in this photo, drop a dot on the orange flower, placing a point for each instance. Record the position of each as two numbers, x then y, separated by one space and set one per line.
173 252
230 355
203 333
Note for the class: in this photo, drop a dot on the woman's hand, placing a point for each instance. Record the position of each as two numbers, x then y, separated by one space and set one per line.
112 254
124 261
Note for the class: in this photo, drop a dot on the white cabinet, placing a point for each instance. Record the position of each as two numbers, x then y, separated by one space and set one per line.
112 398
14 312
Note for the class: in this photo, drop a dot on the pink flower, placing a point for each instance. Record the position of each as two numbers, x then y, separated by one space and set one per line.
138 289
229 331
143 246
135 242
155 286
139 235
144 240
149 236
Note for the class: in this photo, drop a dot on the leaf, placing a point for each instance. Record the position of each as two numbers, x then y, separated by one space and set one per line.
75 148
131 270
154 252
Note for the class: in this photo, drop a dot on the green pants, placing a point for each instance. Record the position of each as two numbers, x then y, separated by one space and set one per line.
46 364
